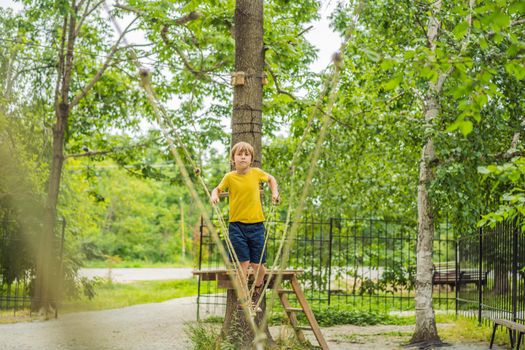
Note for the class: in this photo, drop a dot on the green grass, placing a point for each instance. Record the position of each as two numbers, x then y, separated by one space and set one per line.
467 330
116 295
206 336
451 329
135 264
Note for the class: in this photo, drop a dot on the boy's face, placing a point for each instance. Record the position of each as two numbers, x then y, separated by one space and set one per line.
242 159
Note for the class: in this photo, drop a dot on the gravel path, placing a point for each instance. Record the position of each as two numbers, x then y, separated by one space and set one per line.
149 326
124 275
160 326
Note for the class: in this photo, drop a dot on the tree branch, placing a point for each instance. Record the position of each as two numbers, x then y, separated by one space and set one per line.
61 60
277 87
164 34
68 65
185 60
87 13
88 154
518 21
193 15
305 30
101 71
464 44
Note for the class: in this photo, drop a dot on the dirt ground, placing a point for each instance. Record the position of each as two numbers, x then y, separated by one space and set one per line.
382 337
160 326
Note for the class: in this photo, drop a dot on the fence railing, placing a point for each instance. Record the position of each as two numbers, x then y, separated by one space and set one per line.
496 256
18 264
363 264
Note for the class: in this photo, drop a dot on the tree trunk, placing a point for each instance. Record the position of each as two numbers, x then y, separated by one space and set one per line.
246 126
249 58
426 330
235 328
45 291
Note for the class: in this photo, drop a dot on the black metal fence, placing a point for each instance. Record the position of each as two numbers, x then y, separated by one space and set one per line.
354 264
493 261
18 264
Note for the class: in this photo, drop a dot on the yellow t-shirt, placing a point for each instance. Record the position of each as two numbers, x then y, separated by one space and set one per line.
245 198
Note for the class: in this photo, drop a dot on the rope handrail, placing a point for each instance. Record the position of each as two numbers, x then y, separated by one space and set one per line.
239 282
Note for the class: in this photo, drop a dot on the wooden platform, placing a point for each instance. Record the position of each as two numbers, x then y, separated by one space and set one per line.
223 278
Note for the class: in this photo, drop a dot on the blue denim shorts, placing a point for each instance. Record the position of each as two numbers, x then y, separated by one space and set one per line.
248 241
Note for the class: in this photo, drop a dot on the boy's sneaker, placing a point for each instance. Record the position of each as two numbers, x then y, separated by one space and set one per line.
257 293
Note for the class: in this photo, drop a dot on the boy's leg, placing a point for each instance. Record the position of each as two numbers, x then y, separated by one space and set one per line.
260 272
244 267
257 251
240 245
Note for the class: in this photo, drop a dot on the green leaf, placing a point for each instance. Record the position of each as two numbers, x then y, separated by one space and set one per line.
387 64
492 168
454 126
466 127
409 54
498 21
483 43
392 84
515 69
517 8
460 30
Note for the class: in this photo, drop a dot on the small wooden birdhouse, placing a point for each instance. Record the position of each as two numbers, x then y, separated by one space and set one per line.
238 78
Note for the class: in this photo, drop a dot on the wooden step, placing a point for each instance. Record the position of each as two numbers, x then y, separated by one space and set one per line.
294 309
305 308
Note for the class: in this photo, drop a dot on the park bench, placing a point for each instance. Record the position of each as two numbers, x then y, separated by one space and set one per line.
443 276
514 329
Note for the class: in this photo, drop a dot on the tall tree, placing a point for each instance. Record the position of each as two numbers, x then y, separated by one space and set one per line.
246 124
426 330
68 94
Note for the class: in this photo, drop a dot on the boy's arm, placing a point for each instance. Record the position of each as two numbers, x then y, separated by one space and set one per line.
274 188
215 195
215 198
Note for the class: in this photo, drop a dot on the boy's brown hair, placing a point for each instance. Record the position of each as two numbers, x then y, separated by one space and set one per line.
241 147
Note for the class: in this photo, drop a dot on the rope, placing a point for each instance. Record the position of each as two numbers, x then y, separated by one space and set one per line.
337 67
291 186
240 286
239 283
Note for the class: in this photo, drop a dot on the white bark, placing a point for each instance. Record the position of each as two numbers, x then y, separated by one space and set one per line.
426 331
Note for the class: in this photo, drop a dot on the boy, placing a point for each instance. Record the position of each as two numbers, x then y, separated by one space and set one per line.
246 228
